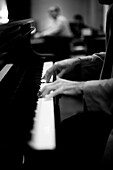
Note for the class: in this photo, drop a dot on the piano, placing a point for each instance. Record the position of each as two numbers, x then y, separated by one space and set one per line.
21 69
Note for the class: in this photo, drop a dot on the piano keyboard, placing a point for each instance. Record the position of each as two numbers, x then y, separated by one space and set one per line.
5 70
43 132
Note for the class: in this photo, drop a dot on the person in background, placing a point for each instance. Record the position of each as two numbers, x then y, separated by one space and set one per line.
84 135
81 31
57 35
59 25
77 25
79 28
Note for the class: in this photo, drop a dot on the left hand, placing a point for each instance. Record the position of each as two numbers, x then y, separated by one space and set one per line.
61 68
62 86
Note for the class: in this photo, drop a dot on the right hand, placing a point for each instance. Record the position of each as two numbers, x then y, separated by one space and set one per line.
62 86
60 68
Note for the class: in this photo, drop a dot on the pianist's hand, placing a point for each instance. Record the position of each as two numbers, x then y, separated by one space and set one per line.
60 68
62 86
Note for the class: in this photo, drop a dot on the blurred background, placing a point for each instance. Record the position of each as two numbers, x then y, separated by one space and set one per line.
93 12
90 9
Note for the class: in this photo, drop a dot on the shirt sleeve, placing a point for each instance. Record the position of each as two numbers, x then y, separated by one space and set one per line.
98 95
100 55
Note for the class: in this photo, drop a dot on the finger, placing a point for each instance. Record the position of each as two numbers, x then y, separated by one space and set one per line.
47 76
62 73
54 93
44 90
48 88
51 71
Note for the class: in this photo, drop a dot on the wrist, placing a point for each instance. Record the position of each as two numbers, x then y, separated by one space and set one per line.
85 58
79 88
76 61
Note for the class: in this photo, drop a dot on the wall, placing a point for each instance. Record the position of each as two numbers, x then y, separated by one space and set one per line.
3 12
90 9
19 9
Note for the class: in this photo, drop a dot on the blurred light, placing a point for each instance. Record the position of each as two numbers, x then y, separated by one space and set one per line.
3 12
105 9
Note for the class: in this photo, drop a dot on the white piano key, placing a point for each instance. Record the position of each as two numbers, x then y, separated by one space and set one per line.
44 127
5 70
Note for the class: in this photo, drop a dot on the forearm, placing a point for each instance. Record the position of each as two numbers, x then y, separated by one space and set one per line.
92 57
76 60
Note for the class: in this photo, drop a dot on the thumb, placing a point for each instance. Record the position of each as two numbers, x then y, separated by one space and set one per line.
57 77
61 73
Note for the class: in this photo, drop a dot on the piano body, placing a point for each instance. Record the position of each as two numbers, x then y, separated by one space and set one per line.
21 69
20 79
